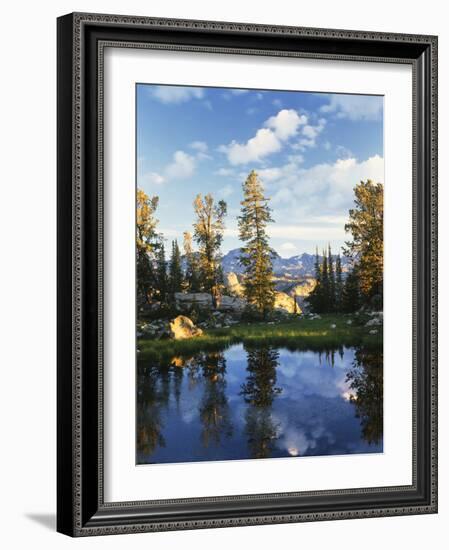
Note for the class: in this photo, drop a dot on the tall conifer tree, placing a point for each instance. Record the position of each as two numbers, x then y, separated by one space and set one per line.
256 253
331 291
338 284
325 285
315 298
175 276
161 274
351 298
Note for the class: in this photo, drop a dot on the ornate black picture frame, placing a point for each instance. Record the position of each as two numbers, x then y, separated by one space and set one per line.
81 509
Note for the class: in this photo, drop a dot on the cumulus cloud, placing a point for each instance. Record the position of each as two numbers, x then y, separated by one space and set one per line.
343 152
182 166
262 144
268 140
176 94
270 174
200 146
309 135
285 124
151 178
354 107
201 149
324 188
285 172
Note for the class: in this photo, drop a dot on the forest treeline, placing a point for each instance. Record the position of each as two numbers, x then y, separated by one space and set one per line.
159 278
362 285
199 268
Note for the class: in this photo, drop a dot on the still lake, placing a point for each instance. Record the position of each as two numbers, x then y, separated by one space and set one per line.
259 402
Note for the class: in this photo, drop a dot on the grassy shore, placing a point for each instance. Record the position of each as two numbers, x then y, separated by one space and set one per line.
296 334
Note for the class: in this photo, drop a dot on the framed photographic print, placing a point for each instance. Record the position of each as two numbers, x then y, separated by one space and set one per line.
246 274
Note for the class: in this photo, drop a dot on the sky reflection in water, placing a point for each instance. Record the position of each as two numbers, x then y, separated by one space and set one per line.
259 402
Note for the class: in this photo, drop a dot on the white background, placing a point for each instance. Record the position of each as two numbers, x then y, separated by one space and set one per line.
123 480
27 295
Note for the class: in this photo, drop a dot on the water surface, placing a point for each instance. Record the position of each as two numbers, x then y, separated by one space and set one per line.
259 402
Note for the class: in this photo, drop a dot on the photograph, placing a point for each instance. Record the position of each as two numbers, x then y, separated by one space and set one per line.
259 273
247 275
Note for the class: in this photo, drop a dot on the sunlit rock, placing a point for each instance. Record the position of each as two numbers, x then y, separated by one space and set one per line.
233 286
182 328
285 303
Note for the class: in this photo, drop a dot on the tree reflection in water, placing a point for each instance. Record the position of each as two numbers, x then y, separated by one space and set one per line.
366 381
154 394
184 410
214 408
259 392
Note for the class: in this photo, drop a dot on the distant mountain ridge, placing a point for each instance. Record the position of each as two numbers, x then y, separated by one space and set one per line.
301 265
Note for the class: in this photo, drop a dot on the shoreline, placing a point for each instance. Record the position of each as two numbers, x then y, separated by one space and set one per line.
296 334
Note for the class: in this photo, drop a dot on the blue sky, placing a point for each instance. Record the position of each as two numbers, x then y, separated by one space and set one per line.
309 149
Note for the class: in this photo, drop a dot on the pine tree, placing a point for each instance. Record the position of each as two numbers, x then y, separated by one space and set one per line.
331 276
351 292
338 284
161 275
192 276
366 247
208 234
325 296
256 253
315 298
175 277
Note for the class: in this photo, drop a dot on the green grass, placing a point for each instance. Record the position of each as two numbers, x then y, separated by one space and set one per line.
297 334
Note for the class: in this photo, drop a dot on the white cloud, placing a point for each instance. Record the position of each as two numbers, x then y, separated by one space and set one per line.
285 124
354 107
151 178
176 94
343 152
287 171
200 146
270 174
288 247
262 144
309 135
268 140
182 166
201 149
306 232
325 188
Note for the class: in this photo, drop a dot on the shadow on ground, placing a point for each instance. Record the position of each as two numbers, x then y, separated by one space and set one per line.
46 520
